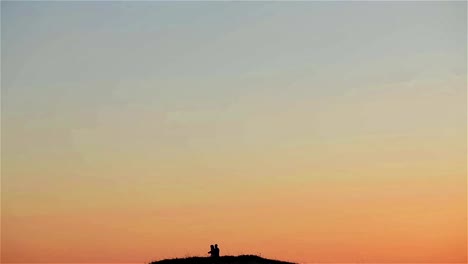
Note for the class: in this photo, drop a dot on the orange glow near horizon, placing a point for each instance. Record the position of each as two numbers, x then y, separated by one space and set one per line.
333 228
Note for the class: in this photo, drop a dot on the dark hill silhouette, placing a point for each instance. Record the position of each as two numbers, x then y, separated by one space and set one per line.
242 259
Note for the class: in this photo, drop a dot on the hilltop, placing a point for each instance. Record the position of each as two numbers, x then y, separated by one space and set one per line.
242 259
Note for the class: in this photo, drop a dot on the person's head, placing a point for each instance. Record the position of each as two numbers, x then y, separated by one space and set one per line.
211 246
216 245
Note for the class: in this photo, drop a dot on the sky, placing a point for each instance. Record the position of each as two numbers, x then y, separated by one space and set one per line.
303 131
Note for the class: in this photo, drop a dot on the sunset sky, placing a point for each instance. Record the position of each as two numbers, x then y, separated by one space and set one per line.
301 131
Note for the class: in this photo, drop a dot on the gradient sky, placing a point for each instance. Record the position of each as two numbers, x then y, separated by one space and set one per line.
303 131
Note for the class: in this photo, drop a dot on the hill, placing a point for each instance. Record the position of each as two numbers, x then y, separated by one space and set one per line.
242 259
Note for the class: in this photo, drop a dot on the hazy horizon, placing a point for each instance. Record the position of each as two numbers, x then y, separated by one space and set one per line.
301 131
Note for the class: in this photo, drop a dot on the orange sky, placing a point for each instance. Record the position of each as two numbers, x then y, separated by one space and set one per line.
306 131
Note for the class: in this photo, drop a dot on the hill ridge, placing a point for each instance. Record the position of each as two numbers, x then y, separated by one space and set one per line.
241 259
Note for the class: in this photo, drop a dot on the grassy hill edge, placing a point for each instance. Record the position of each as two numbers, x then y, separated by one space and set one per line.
250 259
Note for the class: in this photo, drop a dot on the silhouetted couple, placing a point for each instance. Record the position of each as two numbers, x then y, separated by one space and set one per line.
214 252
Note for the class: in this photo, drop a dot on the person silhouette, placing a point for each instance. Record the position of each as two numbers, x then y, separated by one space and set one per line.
216 250
212 252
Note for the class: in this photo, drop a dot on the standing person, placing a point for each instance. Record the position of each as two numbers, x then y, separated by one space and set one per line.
212 252
216 250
